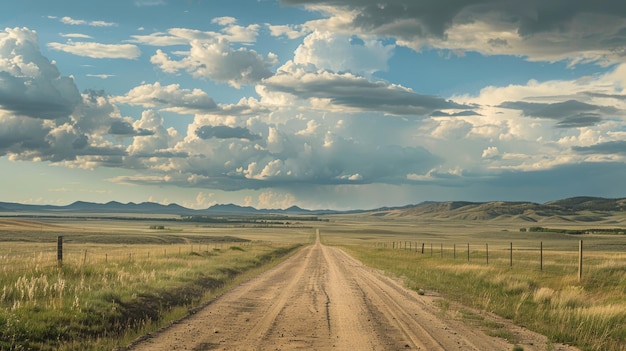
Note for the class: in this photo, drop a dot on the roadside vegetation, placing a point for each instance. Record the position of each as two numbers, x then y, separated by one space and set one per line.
104 295
590 314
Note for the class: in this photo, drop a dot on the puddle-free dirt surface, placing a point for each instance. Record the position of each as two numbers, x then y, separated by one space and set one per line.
323 299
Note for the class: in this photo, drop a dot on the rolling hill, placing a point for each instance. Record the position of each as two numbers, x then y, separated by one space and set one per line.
575 209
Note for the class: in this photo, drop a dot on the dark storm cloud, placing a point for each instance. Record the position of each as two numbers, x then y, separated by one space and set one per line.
580 120
434 17
225 132
80 142
607 148
602 95
571 113
32 98
538 30
165 154
598 178
553 15
126 129
359 93
465 113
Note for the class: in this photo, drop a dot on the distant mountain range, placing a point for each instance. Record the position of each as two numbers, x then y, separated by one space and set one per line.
582 208
81 207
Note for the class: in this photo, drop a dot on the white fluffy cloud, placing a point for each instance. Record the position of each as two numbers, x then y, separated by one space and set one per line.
537 126
289 31
217 60
343 53
158 143
169 98
30 85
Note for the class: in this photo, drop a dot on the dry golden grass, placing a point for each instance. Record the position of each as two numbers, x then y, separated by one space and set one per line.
549 299
118 278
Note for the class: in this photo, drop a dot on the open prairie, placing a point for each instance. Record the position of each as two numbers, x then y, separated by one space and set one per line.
119 278
123 278
535 285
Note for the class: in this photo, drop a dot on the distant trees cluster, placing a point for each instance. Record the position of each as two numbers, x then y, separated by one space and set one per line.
575 231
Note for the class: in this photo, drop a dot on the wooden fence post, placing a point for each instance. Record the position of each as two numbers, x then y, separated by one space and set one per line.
487 252
580 260
422 248
511 256
468 255
60 250
541 256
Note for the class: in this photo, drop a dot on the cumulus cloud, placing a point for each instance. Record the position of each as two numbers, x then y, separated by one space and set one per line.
491 152
158 142
170 98
44 118
288 30
260 154
218 61
19 134
273 199
30 85
343 53
98 50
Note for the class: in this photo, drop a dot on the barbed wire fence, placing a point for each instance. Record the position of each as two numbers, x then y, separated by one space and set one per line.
37 256
537 256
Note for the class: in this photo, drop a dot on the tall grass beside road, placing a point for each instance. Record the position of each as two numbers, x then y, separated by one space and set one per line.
590 314
102 296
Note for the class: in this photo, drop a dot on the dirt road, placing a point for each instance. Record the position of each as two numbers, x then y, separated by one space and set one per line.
322 299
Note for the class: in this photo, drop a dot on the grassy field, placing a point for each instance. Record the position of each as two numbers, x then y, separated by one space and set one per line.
122 278
549 299
118 280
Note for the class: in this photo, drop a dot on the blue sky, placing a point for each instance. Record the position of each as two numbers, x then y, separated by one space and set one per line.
338 104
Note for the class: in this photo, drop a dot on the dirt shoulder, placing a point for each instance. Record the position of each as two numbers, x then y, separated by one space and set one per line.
322 298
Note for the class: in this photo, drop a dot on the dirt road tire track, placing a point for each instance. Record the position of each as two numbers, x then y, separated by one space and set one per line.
320 299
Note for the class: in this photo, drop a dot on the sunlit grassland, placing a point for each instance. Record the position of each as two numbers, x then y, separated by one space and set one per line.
119 280
547 298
